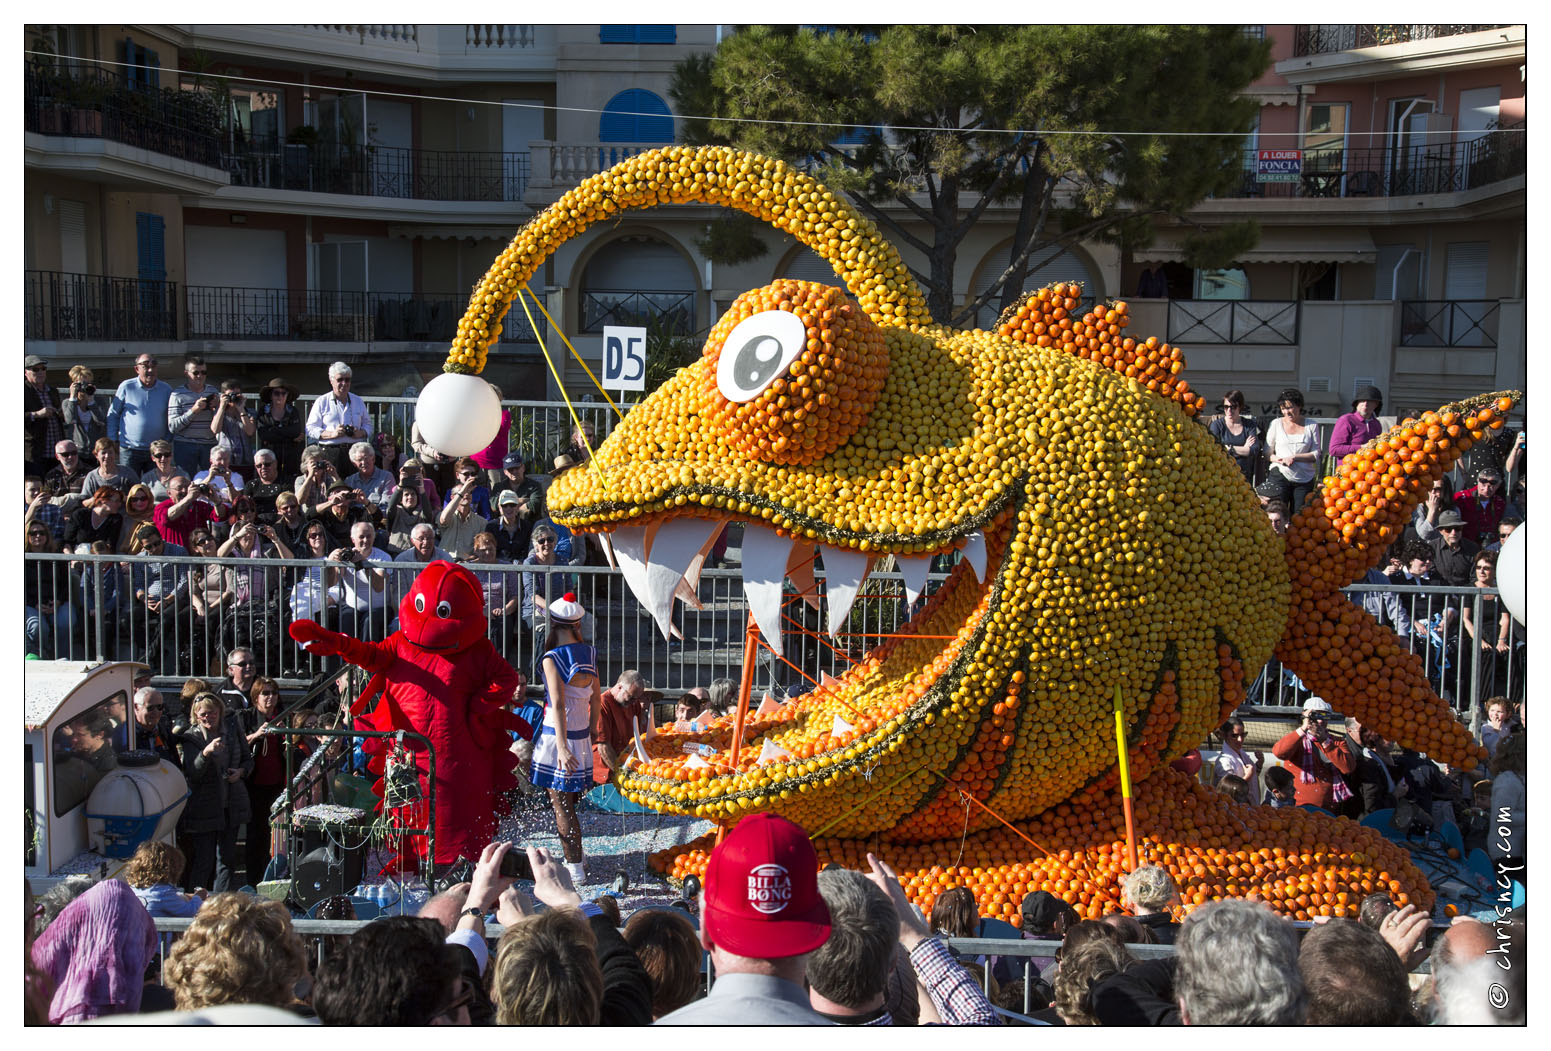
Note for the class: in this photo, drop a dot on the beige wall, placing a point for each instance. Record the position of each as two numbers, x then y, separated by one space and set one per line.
41 224
118 221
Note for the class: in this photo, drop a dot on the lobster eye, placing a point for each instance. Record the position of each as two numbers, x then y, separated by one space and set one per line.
419 603
759 349
444 609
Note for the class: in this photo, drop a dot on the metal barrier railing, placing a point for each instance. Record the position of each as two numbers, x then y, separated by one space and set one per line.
107 622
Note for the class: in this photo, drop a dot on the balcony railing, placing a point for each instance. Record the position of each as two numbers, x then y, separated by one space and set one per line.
1233 321
1445 167
1449 322
602 307
1320 40
564 164
59 306
383 171
89 103
216 312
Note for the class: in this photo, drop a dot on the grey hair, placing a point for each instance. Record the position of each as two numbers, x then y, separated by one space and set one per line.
338 369
631 677
365 523
852 967
53 901
720 693
421 528
1464 988
360 446
265 453
1149 887
145 693
1238 965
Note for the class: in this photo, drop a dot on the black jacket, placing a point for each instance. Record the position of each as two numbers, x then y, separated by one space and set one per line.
627 991
1142 994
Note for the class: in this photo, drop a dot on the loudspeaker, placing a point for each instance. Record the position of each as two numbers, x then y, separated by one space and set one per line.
325 872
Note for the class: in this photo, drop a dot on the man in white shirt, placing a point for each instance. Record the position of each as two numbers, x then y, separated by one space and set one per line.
223 481
422 548
363 588
375 485
339 418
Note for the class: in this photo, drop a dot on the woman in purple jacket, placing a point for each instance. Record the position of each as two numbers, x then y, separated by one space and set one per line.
1358 427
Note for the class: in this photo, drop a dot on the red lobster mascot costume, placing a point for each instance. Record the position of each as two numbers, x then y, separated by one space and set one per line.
441 677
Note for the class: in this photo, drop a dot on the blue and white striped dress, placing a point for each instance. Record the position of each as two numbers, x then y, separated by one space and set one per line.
573 659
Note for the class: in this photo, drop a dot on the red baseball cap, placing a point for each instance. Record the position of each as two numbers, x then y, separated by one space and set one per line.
762 891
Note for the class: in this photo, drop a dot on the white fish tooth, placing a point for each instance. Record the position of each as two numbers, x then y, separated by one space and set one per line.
676 543
687 595
840 728
696 564
844 571
630 546
975 553
799 570
914 569
764 568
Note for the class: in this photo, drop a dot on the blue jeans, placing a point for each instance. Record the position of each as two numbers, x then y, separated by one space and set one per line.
43 628
193 457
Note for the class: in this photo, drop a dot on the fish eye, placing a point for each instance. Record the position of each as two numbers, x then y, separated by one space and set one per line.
758 350
419 603
444 609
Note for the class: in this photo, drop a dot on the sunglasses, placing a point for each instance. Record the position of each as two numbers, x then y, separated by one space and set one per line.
1450 529
458 1003
145 364
543 543
196 372
70 454
161 456
156 707
240 664
33 534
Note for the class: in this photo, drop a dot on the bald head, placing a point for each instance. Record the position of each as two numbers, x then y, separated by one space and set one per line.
446 907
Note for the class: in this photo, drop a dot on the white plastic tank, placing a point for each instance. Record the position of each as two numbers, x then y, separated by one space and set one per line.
140 800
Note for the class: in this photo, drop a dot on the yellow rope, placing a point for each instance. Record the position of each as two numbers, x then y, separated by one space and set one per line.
591 460
567 342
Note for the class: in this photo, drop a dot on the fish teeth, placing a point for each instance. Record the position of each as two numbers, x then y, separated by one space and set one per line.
975 554
914 569
844 571
765 557
676 543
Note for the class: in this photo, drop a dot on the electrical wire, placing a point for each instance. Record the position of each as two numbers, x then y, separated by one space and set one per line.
1047 133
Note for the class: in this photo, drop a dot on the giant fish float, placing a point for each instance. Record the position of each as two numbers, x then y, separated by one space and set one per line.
1103 543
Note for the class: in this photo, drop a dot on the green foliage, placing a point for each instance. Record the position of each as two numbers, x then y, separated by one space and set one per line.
732 238
1094 101
667 351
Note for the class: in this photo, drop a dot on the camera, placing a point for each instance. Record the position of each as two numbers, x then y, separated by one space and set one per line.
230 397
515 864
85 388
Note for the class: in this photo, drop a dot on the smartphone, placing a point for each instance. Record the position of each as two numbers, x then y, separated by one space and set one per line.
515 864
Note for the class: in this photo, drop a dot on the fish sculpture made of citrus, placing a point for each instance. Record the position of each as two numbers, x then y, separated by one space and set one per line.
1105 542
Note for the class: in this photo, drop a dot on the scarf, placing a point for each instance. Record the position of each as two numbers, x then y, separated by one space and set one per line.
1339 793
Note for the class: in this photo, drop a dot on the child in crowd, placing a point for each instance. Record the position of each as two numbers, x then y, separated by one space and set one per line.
1279 788
153 873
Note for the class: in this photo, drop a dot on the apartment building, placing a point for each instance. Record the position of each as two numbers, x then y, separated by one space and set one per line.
312 192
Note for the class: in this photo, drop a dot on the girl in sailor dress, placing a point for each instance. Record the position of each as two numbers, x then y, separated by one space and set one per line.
562 756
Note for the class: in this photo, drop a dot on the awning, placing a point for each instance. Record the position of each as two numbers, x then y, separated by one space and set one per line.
1337 244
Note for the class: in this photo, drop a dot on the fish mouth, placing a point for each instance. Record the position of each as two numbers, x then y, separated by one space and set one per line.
843 725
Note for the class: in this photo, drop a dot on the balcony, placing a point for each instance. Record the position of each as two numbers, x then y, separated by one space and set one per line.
1321 40
381 171
62 306
1240 321
180 128
89 307
673 310
449 53
1447 167
558 166
1449 322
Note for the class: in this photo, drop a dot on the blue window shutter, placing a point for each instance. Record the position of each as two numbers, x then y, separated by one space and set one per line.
636 115
637 34
150 246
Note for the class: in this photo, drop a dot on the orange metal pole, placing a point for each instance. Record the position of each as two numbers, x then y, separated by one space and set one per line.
1125 777
750 652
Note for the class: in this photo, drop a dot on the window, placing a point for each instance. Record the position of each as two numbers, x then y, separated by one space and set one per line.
84 751
1221 284
1397 274
1324 137
637 34
142 69
636 115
